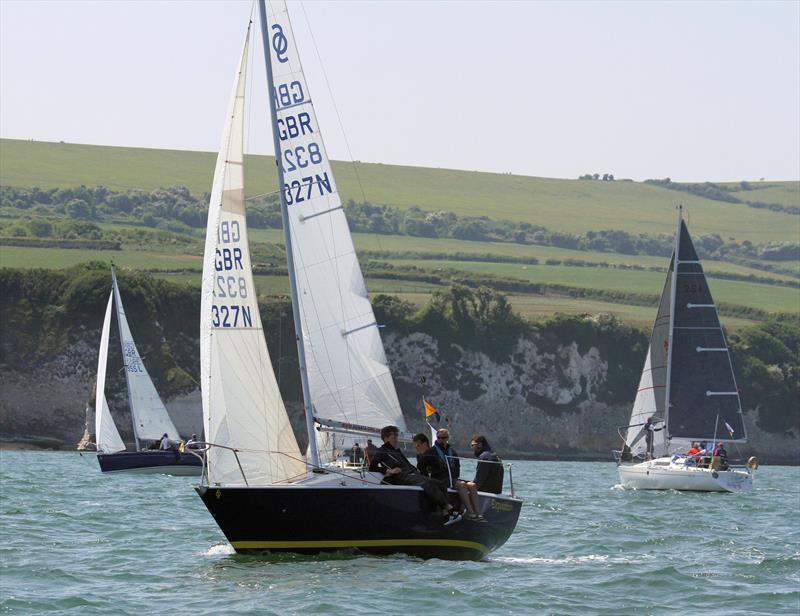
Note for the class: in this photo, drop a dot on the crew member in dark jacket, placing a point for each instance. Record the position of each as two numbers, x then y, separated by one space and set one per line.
390 461
448 455
428 461
489 474
488 477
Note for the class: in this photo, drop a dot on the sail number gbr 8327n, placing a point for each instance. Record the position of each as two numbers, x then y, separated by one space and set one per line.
295 159
228 261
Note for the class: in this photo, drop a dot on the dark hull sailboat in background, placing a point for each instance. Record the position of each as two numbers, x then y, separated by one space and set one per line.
148 414
687 386
263 493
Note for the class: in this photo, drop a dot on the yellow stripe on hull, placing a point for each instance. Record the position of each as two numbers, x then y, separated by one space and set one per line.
359 543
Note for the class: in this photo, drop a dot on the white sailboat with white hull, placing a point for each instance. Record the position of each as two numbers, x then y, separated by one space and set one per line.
687 392
261 490
148 414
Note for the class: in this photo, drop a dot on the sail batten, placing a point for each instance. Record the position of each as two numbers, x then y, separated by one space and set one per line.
348 376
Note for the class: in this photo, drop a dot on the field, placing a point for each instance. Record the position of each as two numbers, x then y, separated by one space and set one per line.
765 297
559 204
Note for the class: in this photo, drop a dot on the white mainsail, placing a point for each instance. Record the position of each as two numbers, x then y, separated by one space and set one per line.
348 376
150 418
650 395
242 406
106 434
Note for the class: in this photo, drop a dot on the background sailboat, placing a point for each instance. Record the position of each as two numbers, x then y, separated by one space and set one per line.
261 491
148 414
687 386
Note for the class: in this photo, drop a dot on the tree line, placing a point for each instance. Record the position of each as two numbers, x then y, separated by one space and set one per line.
41 311
176 210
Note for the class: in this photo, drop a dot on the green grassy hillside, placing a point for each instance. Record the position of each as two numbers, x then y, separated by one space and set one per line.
574 206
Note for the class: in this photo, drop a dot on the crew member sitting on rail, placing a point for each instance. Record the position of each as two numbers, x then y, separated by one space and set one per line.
488 475
390 461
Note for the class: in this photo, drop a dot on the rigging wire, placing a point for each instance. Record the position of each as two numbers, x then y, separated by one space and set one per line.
336 109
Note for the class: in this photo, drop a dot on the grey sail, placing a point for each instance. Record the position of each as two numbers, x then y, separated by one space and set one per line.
702 393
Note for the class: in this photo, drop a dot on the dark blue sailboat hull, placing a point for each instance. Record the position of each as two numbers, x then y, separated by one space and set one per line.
151 461
377 520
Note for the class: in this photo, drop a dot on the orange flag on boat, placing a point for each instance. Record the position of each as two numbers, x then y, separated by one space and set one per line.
430 411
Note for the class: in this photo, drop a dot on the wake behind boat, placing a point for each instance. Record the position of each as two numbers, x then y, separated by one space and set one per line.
262 492
150 419
687 392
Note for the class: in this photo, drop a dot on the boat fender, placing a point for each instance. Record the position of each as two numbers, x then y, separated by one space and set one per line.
752 463
715 475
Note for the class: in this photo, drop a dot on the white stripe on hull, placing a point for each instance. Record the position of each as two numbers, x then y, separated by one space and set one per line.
649 476
178 471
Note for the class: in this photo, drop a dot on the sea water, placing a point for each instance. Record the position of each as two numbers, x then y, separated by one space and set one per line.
74 541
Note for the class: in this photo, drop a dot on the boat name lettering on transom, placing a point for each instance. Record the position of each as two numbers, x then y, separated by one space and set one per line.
293 126
287 94
307 188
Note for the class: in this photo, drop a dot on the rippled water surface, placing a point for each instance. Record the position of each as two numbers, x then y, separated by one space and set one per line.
75 541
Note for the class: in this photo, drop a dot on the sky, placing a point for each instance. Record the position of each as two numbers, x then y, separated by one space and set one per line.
694 91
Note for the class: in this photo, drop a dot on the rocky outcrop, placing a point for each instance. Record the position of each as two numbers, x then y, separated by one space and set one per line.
547 400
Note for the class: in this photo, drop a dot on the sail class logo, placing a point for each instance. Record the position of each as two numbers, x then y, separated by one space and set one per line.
280 43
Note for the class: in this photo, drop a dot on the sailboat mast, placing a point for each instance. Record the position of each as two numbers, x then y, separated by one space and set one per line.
673 285
287 238
118 304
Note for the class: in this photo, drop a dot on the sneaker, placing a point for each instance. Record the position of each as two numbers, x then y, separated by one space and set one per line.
480 518
473 517
455 516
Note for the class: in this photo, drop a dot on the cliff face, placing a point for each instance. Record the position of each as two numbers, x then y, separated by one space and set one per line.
545 401
556 389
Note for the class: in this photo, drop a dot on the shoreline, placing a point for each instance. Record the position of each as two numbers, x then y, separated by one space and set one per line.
43 444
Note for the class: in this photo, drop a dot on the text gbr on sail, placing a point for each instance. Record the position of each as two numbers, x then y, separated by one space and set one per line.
227 261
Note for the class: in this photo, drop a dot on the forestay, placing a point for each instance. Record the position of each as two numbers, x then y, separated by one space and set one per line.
150 418
242 406
650 395
348 375
703 395
106 434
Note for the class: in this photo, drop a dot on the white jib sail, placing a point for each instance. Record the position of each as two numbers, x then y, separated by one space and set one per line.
106 434
349 379
650 396
242 405
150 418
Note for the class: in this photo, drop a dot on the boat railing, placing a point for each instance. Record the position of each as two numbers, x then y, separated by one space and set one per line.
507 465
362 469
